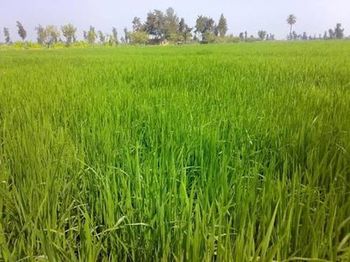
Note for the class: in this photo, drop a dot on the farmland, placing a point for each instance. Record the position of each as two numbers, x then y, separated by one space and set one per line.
200 153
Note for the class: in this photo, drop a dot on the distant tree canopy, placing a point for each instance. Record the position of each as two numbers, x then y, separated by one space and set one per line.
205 27
222 26
184 30
7 35
336 33
304 37
69 32
136 24
138 37
91 35
48 35
101 37
171 24
291 20
40 34
166 26
159 26
114 38
339 31
262 34
126 36
21 31
52 35
154 25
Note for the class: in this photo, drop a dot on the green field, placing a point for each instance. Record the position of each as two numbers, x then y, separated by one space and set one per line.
199 153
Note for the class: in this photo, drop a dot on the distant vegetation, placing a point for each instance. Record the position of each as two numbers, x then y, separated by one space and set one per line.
160 28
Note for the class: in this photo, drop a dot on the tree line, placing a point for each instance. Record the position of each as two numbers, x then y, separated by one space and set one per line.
336 33
163 27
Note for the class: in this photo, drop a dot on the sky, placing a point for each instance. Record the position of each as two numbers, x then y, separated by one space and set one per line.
313 16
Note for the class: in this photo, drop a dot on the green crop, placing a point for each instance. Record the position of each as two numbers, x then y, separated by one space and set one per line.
197 153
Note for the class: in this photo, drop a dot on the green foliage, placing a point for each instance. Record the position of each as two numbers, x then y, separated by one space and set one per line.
222 26
51 35
162 26
7 35
80 44
21 31
171 24
137 24
91 35
262 34
138 37
126 36
155 24
48 35
101 37
114 37
339 31
184 30
22 45
69 32
227 39
291 20
193 153
205 27
40 30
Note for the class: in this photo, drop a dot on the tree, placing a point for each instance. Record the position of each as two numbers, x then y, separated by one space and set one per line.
40 31
294 35
331 34
51 35
171 24
339 31
205 27
115 36
7 35
304 37
101 37
138 37
241 36
222 26
262 34
136 24
21 31
110 40
154 25
69 32
184 30
91 35
291 20
126 35
208 37
216 31
325 35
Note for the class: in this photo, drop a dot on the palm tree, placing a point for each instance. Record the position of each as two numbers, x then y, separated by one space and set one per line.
291 20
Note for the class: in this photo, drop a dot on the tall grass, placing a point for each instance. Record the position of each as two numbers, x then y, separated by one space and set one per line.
227 153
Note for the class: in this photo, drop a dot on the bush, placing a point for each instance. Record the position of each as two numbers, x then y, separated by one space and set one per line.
140 38
227 39
26 45
80 44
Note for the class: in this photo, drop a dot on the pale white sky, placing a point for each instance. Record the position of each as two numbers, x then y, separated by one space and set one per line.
313 16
